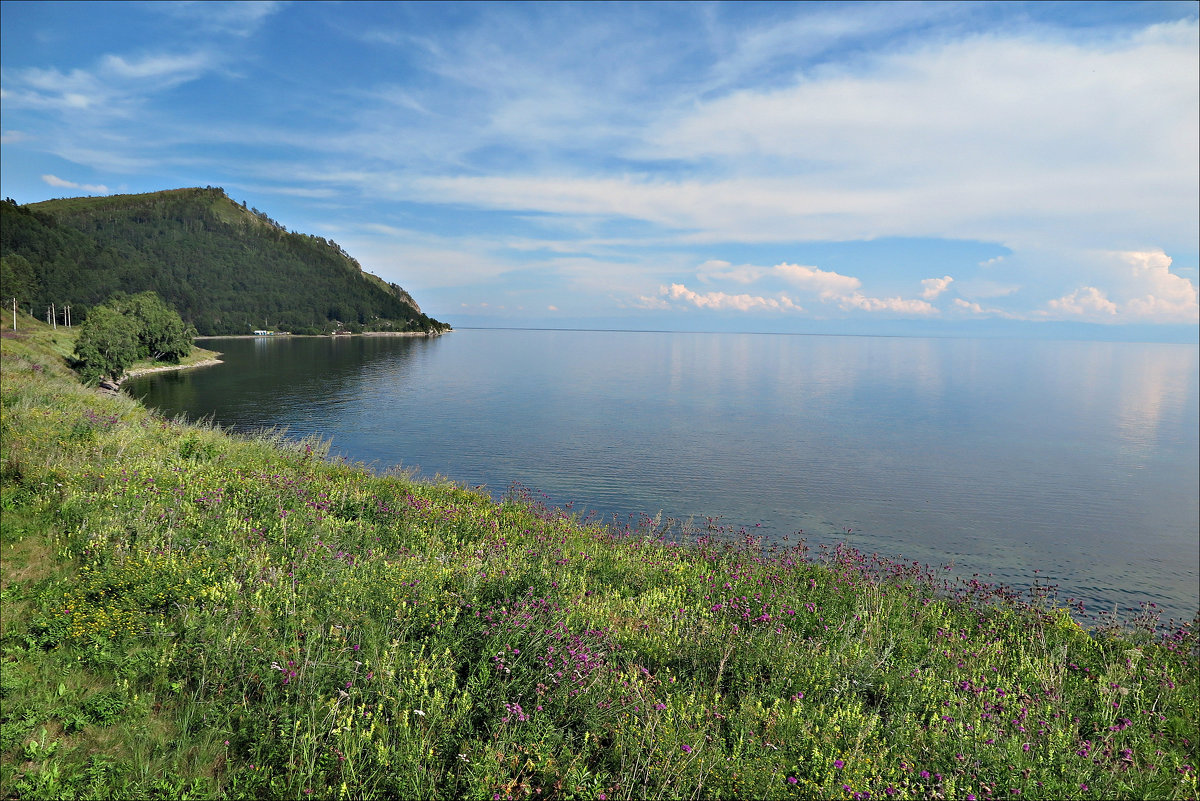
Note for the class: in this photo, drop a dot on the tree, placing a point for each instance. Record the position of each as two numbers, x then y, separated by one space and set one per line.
107 345
162 334
128 328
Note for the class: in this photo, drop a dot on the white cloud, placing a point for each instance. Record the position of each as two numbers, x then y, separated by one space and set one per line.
723 301
717 270
1085 301
825 283
944 140
828 286
54 180
977 309
935 286
860 301
1168 297
171 68
238 18
109 88
949 138
651 302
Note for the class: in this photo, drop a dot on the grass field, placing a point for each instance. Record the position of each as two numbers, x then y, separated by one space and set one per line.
190 614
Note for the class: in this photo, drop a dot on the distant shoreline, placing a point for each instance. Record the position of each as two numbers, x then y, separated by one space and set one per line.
327 336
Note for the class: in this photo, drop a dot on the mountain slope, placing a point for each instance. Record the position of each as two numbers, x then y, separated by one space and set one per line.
226 268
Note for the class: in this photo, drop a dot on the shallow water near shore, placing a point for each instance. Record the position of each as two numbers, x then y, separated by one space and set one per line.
1066 463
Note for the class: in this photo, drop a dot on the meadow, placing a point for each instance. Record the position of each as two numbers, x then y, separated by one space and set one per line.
192 614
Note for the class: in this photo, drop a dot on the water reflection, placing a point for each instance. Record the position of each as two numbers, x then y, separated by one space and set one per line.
1076 459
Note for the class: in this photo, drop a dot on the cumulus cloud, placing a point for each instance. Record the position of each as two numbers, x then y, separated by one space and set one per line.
977 309
1167 296
826 285
857 300
723 301
935 286
54 180
1086 300
1130 286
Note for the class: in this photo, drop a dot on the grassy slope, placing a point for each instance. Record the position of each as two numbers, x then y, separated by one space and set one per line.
187 613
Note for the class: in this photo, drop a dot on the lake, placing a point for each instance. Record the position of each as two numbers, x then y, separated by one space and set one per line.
1068 463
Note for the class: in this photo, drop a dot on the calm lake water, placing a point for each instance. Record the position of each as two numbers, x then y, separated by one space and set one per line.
1075 459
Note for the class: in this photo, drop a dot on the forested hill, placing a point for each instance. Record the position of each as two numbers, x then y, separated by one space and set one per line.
227 269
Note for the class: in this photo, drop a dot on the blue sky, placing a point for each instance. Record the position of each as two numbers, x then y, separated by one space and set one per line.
838 168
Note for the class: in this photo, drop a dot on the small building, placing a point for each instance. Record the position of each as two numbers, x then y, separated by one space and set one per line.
261 333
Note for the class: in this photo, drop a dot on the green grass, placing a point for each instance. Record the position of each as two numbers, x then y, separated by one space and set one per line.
189 614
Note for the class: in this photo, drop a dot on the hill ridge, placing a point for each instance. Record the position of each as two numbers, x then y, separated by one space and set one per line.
227 267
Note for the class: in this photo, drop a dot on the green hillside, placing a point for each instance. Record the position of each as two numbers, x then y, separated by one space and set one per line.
226 268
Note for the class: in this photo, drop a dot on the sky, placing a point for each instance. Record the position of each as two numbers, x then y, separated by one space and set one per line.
859 168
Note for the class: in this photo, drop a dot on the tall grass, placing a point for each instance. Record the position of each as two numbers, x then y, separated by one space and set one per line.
192 614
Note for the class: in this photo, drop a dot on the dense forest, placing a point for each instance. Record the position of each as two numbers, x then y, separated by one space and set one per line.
225 268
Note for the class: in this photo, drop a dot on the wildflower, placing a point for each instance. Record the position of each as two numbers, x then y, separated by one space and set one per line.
687 748
839 764
792 779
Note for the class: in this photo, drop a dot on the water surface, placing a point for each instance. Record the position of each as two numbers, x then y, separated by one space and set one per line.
1075 459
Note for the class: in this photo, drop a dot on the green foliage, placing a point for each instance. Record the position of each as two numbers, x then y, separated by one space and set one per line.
17 279
191 614
129 329
107 345
162 334
227 269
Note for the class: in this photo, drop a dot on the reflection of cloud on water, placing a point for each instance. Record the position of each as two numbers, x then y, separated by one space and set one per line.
1150 392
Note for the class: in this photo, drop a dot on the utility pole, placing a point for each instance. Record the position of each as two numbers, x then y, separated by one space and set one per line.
53 317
